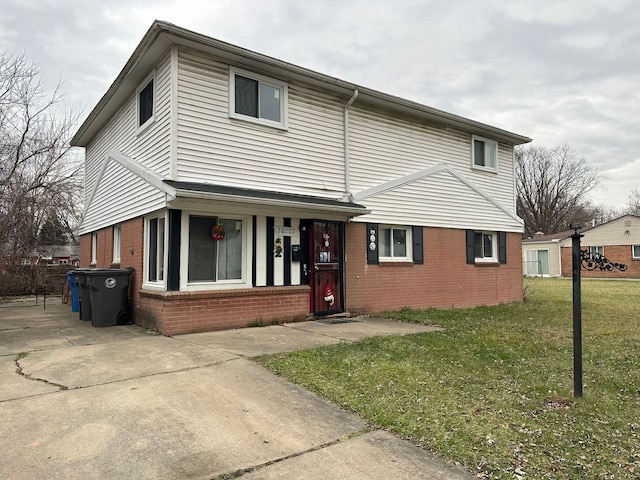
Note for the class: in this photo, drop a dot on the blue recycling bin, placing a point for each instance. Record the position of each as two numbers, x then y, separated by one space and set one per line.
84 296
75 302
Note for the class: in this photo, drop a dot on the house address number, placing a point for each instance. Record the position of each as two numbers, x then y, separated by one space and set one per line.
285 231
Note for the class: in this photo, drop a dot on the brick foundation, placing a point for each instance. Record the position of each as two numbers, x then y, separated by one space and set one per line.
174 313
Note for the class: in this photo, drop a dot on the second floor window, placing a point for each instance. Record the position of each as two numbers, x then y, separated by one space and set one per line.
258 99
145 101
484 153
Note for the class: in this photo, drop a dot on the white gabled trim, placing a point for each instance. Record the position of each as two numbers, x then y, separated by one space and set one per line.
146 174
149 176
442 167
393 184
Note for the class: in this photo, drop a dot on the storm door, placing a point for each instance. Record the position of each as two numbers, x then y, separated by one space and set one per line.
326 255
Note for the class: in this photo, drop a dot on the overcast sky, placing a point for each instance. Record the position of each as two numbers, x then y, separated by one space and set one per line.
554 70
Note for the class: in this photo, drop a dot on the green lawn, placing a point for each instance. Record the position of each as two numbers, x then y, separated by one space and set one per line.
494 391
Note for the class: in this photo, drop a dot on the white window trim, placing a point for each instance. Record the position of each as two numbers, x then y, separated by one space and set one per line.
493 169
633 252
282 86
247 253
409 244
494 248
161 284
117 243
141 128
594 249
94 248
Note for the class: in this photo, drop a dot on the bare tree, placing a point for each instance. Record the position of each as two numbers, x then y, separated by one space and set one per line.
552 186
633 202
38 171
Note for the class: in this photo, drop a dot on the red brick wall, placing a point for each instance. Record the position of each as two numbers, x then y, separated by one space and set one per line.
443 281
174 313
617 254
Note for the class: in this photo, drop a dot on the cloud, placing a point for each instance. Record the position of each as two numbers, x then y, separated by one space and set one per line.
562 72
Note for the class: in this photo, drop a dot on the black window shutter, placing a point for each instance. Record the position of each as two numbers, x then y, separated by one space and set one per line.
471 257
418 248
173 254
502 247
372 244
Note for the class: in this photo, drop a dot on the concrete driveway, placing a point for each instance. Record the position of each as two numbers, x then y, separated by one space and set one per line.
79 402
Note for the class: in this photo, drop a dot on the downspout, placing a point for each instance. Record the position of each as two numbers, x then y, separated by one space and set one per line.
347 187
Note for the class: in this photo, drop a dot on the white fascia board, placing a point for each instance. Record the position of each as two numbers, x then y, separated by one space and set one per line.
241 199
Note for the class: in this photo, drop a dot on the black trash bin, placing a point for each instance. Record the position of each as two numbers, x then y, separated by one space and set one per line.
84 296
109 292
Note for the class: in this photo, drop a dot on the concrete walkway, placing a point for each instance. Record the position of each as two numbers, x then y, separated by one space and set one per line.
79 402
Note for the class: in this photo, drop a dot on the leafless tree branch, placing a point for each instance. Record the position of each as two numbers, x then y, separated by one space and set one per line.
39 172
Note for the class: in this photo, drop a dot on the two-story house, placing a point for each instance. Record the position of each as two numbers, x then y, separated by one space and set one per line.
247 190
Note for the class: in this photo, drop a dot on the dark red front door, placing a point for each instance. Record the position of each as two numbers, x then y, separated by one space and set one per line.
326 267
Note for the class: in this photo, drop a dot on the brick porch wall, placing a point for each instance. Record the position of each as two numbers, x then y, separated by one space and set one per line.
443 281
617 254
173 313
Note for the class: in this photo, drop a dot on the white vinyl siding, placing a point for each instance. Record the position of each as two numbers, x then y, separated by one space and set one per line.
151 148
384 148
439 200
308 158
614 233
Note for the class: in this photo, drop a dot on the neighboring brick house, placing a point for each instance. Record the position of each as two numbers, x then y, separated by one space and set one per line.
247 190
618 240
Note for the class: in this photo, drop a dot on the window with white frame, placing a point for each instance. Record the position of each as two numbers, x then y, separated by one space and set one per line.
94 248
485 246
635 251
257 99
117 232
484 153
215 250
155 249
596 251
394 242
145 99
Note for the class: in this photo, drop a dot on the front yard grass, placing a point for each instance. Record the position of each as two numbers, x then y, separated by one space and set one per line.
494 390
